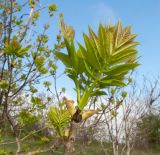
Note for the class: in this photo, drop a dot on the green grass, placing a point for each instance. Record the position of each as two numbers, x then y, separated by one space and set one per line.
148 152
80 149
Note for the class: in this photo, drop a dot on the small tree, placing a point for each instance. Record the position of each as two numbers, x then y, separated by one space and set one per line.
25 58
103 62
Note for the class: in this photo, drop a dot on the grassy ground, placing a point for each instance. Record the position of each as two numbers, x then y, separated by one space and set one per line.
92 149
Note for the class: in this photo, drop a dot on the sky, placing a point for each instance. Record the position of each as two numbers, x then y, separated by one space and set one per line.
142 15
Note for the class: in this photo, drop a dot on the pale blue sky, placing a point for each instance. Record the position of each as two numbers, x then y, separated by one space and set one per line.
142 15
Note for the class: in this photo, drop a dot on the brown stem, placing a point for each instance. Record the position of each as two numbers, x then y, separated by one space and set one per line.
69 144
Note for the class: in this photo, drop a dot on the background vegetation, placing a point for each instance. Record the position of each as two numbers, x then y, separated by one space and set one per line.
116 111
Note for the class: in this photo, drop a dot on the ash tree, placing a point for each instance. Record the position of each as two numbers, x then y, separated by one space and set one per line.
102 62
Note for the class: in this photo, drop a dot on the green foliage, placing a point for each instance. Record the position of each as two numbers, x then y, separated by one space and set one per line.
39 62
42 38
104 60
35 16
3 152
32 3
114 113
63 90
3 84
149 129
32 89
47 84
52 65
37 103
67 31
59 118
26 118
52 8
124 94
14 48
44 140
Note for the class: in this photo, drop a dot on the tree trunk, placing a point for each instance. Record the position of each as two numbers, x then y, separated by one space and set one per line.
128 148
115 148
69 143
127 152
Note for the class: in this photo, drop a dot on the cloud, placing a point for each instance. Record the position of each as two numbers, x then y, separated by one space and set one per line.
104 13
